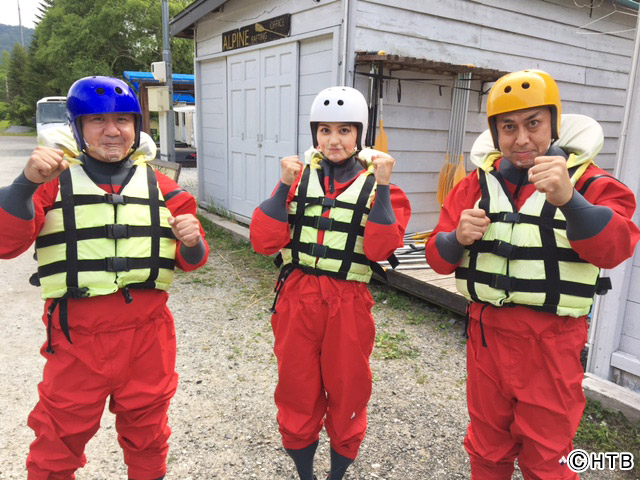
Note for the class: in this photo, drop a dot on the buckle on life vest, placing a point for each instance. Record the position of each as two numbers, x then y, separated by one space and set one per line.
116 231
510 217
323 223
503 249
603 285
117 264
76 292
318 250
114 199
501 282
328 202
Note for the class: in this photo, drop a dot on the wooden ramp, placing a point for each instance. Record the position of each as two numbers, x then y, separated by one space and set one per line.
415 277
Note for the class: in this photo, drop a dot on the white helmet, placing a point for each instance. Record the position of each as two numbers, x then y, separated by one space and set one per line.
340 104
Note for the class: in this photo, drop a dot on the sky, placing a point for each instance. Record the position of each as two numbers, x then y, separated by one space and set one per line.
28 11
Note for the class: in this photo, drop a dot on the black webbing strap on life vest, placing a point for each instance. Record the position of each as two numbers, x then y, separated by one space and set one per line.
513 252
69 224
356 220
155 262
551 259
112 231
282 277
301 205
71 247
473 255
590 180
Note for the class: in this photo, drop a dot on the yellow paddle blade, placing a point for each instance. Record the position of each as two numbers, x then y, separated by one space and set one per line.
443 182
381 143
459 173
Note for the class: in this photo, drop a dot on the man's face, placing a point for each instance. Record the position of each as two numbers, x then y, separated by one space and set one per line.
524 135
109 136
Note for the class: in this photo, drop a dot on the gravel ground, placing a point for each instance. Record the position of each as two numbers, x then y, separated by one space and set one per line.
223 416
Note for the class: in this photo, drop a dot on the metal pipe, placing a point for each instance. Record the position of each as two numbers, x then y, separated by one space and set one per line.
466 83
166 56
454 118
345 33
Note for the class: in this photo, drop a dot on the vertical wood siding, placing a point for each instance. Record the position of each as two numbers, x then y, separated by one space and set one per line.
212 137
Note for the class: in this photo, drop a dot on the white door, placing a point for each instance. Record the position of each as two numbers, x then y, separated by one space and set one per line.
244 123
279 110
262 105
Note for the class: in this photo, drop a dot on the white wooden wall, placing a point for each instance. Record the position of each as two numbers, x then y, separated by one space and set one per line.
318 70
211 114
591 69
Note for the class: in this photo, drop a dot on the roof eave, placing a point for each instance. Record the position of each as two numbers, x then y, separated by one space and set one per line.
183 24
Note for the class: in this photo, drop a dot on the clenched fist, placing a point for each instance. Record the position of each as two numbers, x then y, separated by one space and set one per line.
290 169
550 176
186 228
472 225
383 166
45 164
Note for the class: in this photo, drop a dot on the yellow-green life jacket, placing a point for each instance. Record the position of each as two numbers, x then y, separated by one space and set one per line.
524 257
341 254
94 243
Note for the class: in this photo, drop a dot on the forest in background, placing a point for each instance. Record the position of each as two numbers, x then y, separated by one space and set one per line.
76 39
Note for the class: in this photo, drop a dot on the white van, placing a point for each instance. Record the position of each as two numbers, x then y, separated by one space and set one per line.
51 112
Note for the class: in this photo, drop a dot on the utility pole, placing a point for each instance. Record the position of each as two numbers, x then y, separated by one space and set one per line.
166 57
20 22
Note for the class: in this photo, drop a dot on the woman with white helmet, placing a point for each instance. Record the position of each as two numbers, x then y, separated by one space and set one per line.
331 219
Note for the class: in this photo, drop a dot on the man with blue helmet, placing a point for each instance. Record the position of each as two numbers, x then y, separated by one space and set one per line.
108 232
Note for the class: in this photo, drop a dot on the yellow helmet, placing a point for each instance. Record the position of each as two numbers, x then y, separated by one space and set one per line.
522 90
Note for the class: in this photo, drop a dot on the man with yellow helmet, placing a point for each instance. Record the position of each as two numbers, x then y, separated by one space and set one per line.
108 232
526 234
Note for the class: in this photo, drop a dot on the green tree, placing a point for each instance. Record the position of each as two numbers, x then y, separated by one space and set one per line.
19 110
5 60
104 37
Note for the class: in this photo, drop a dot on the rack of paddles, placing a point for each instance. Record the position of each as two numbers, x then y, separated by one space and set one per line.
411 254
414 276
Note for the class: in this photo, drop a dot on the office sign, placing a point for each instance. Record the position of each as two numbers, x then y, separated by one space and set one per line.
256 33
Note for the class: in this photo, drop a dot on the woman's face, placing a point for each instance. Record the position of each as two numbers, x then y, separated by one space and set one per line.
337 141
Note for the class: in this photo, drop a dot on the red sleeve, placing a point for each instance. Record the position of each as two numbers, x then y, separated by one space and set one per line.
17 235
463 196
268 235
181 202
380 241
617 241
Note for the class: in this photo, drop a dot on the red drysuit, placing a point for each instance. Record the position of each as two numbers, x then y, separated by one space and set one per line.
324 335
524 388
125 351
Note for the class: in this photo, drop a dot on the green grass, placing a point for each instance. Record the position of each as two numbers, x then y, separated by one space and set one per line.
604 431
25 134
237 253
392 346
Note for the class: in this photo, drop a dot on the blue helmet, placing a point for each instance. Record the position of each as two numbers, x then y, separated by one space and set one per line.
96 95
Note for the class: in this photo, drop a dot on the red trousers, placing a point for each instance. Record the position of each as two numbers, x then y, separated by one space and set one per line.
324 335
134 368
524 394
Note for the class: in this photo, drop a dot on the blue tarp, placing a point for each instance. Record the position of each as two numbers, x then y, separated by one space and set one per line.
134 78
